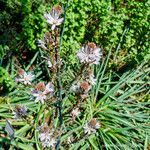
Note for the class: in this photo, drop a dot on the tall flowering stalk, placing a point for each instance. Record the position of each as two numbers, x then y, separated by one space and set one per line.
88 55
51 44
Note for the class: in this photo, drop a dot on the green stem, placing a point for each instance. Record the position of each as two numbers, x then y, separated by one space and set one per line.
59 84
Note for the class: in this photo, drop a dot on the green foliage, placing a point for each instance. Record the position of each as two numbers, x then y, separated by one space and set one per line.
115 101
33 23
22 23
9 24
124 121
6 82
3 50
104 23
137 38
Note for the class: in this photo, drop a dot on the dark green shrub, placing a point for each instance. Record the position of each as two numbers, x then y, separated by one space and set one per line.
33 22
22 23
3 50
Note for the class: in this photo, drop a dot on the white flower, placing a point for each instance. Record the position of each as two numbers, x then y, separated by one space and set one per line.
49 88
40 92
26 78
52 142
47 140
53 20
46 137
40 96
97 126
70 140
75 112
91 126
42 44
89 54
53 17
88 129
75 87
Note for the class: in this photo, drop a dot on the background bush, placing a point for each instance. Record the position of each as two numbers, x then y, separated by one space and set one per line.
22 23
6 82
105 22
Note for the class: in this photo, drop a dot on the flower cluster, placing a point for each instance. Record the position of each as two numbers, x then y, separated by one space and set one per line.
24 77
41 91
89 54
91 126
84 84
46 136
53 17
50 40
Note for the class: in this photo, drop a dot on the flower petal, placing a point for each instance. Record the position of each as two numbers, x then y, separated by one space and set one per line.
59 21
53 26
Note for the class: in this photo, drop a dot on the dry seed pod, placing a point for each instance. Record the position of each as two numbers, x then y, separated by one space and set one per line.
40 86
20 72
91 45
94 123
58 9
49 40
85 86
